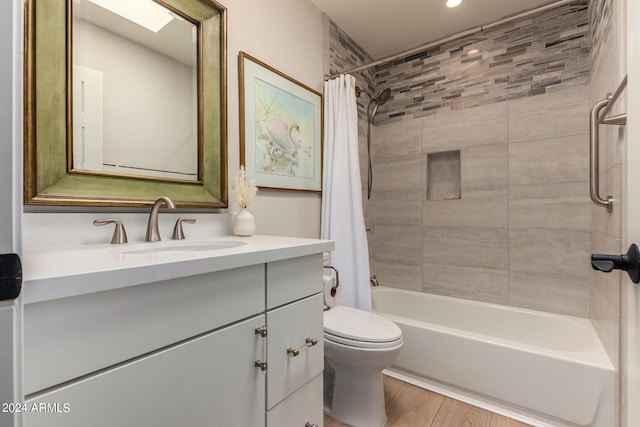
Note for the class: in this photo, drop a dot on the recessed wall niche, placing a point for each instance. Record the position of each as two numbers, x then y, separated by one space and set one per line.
443 175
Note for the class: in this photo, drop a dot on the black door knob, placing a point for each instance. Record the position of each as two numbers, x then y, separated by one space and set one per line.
10 276
629 262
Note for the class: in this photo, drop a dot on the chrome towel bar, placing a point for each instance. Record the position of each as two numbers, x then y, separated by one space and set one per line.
598 117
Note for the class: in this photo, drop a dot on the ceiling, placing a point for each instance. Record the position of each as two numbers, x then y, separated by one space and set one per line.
384 28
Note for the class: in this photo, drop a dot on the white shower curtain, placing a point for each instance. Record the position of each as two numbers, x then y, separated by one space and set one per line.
342 217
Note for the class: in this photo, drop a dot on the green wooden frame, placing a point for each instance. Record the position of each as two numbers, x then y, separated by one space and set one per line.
47 178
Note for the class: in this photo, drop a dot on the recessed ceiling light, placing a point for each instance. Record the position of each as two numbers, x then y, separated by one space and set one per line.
453 3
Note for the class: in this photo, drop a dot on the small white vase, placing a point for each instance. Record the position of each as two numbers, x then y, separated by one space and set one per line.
243 223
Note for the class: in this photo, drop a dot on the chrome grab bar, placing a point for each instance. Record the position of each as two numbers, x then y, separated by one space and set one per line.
620 119
596 119
594 157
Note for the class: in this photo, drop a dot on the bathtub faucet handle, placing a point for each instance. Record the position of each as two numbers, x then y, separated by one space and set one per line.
629 262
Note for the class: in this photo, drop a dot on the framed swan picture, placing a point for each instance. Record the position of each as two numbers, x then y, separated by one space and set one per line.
280 128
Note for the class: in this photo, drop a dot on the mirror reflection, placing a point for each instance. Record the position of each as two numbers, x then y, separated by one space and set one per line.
135 86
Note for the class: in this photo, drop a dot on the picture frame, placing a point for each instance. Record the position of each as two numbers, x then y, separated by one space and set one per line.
281 128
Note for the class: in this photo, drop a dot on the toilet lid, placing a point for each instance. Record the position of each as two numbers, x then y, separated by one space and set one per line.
360 325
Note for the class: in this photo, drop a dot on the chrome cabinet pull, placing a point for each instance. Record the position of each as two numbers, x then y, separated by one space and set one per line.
293 352
308 424
262 332
308 342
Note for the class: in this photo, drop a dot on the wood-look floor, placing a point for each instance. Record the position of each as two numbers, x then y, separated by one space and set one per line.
411 406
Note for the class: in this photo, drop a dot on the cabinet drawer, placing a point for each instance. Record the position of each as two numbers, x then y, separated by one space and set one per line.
207 381
83 334
288 328
302 407
293 279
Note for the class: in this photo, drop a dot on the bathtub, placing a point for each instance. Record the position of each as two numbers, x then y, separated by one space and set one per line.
540 368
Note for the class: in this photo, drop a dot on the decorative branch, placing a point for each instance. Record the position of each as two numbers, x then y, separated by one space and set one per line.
242 192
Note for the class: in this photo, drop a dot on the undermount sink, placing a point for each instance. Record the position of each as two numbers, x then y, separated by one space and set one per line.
183 246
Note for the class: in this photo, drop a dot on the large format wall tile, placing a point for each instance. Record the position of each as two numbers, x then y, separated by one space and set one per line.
552 160
398 173
556 206
398 244
467 128
482 209
398 207
548 292
467 246
473 283
561 252
402 276
485 167
545 117
397 139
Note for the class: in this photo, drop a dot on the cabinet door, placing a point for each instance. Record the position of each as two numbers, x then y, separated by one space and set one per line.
289 326
207 381
304 407
292 279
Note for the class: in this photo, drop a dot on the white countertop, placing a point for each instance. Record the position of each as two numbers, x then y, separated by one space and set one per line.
61 272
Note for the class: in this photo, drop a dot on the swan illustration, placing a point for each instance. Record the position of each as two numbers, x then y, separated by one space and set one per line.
283 146
287 138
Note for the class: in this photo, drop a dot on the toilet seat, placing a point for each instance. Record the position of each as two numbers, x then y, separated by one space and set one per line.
360 328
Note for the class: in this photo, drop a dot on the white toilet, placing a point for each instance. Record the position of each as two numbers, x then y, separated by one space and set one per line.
358 345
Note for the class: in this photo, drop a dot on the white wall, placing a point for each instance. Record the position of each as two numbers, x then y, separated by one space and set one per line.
287 35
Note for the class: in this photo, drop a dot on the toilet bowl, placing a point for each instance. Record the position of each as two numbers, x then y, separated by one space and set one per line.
358 345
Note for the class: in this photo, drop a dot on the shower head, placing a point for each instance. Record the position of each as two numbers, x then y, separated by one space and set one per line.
382 97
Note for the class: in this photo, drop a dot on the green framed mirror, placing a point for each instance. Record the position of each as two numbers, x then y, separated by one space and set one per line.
54 133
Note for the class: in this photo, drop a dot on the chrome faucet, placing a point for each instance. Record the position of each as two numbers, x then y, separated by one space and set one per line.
153 234
374 280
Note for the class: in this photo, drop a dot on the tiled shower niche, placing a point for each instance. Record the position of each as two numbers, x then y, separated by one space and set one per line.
443 175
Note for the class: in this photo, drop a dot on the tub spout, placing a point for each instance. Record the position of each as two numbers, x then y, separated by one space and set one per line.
374 280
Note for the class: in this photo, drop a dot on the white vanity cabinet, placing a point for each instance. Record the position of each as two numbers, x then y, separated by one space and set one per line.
206 381
295 342
241 346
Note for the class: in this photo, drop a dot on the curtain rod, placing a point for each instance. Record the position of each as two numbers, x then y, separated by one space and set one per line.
454 37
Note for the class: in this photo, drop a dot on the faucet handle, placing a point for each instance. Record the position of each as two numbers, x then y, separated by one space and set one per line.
178 234
119 233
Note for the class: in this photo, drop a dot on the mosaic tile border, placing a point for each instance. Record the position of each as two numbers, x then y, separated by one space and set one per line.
345 54
533 56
